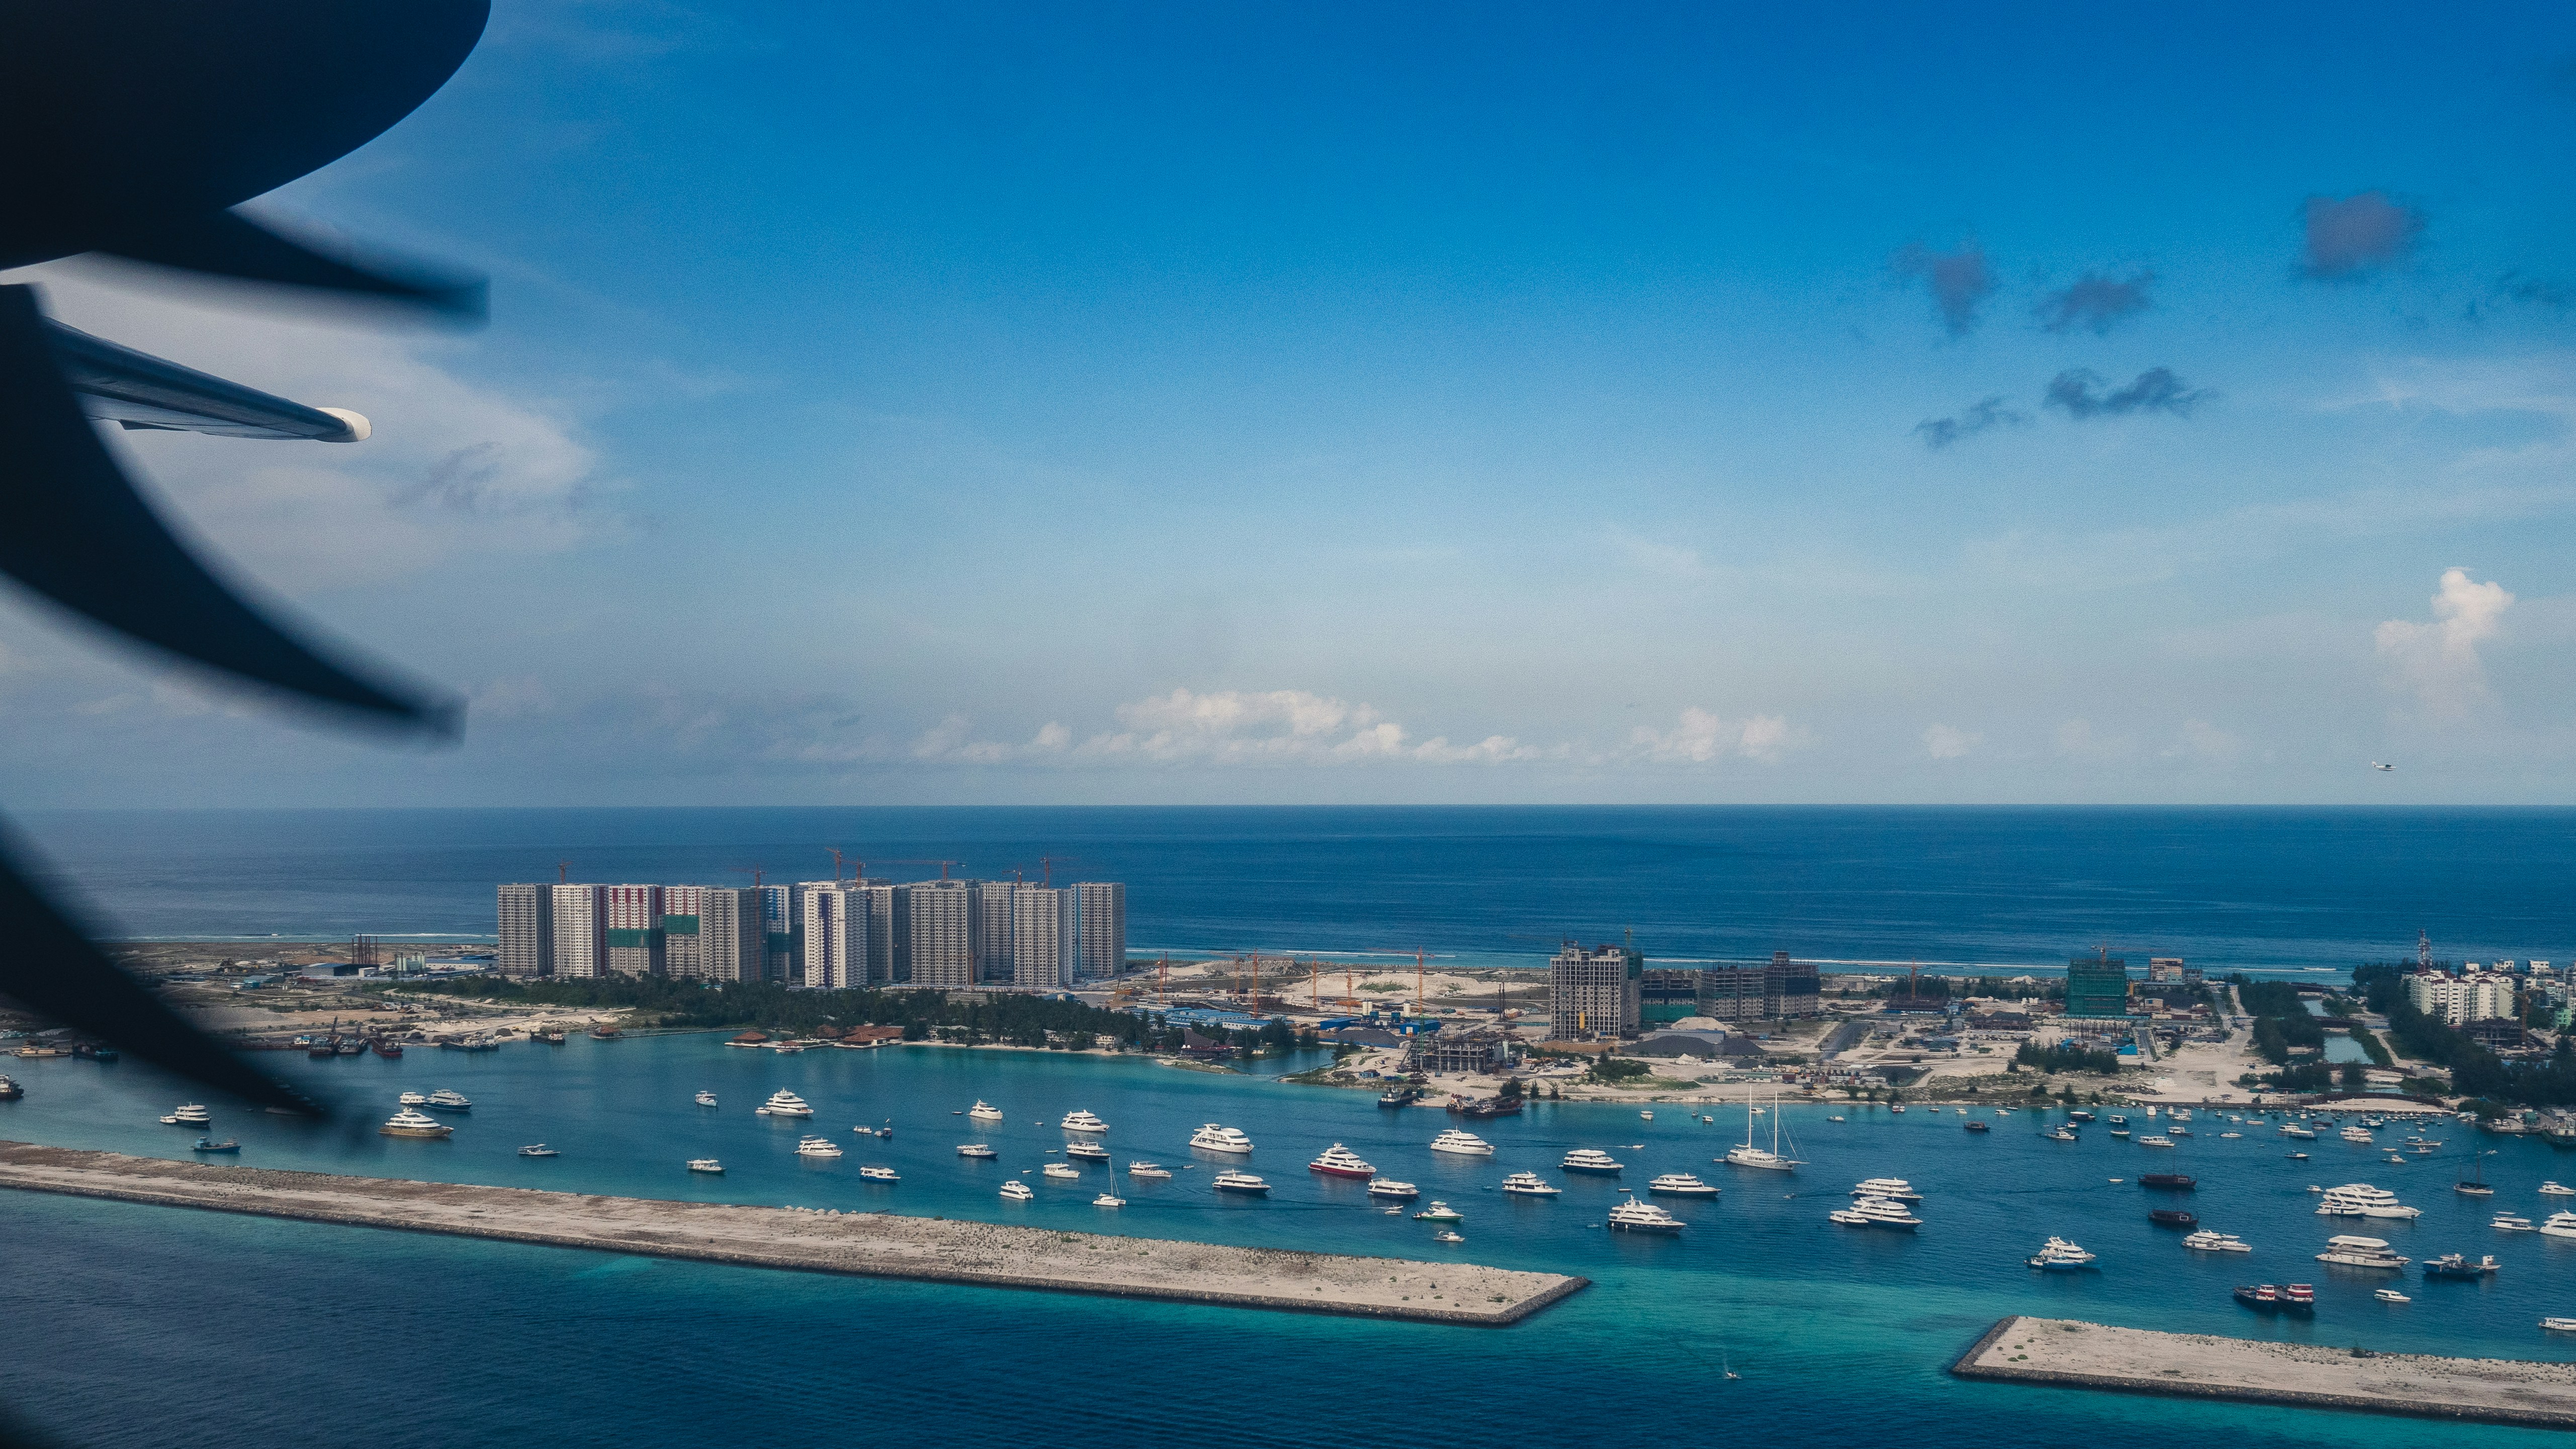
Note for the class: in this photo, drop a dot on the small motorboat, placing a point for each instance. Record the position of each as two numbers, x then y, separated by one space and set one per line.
1109 1200
1446 1236
1977 1124
1833 1119
2298 1157
977 1149
705 1164
538 1149
1149 1171
1061 1169
877 1172
208 1144
1439 1212
706 1099
2391 1295
1016 1191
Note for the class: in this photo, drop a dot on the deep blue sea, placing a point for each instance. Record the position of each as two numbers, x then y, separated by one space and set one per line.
146 1326
2267 890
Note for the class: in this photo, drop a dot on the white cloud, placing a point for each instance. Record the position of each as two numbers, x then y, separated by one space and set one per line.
1226 728
2438 662
1947 742
1701 737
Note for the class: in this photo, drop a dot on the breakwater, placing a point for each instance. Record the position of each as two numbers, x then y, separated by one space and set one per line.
877 1245
2074 1354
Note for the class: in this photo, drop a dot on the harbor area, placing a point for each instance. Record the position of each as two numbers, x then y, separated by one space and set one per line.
2072 1354
878 1245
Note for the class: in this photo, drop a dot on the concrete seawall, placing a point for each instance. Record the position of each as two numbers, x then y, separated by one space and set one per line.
2074 1354
875 1245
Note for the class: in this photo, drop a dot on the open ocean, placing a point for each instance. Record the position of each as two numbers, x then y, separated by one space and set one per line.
2303 891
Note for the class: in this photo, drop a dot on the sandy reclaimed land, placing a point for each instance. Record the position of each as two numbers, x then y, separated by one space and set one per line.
876 1245
2074 1354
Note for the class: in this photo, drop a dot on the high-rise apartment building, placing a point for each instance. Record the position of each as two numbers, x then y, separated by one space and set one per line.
1594 995
683 936
634 929
835 936
2097 987
946 919
527 931
731 943
1045 935
889 931
2459 1000
1102 907
580 931
777 931
993 931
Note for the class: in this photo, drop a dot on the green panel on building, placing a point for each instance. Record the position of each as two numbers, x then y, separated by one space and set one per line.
627 936
2097 987
679 925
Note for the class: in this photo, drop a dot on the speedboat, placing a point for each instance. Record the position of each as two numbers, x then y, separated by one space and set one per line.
1242 1182
208 1144
705 1164
2361 1200
444 1100
2459 1266
1016 1191
984 1111
194 1114
878 1172
2223 1136
817 1147
2391 1295
1439 1212
2059 1255
1213 1138
538 1149
2358 1252
1527 1184
1061 1169
1340 1161
1083 1122
1465 1144
1446 1236
2206 1241
2510 1223
2298 1157
409 1123
1649 1116
1894 1189
1109 1200
706 1099
1087 1151
1633 1216
1680 1184
2061 1135
1148 1171
1590 1161
2551 1189
1389 1187
977 1149
410 1099
783 1103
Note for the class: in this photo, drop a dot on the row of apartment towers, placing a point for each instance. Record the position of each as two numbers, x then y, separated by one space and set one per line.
822 934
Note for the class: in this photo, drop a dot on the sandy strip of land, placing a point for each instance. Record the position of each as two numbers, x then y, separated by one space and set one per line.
867 1244
2198 1365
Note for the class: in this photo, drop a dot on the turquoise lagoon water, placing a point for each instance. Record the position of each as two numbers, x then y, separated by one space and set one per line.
133 1325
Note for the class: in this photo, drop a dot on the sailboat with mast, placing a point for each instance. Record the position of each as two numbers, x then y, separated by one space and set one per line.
1770 1159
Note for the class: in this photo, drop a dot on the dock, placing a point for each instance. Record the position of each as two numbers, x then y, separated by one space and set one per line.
868 1245
2074 1354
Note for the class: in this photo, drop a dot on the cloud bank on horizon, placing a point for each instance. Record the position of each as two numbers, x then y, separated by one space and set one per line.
1628 406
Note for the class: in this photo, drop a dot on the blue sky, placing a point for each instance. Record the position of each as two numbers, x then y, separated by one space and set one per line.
1457 403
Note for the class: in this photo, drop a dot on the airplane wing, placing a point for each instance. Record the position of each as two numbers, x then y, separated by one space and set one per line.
137 390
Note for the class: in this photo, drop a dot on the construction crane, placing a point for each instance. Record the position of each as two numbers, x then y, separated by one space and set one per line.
858 868
1419 956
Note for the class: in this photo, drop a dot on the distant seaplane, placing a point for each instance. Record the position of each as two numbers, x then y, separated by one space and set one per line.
2378 766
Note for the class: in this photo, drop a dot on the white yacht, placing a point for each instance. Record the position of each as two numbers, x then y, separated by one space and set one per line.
1390 1188
1680 1184
1016 1191
1087 1151
1769 1159
984 1111
2361 1200
2060 1255
1083 1122
2293 1129
444 1100
1109 1200
1149 1171
706 1099
409 1123
1439 1212
977 1149
1880 1212
2206 1241
1590 1161
2179 1114
705 1164
194 1114
1446 1236
783 1103
1242 1182
1894 1189
1340 1161
2353 1134
1465 1144
2356 1252
2155 1141
1525 1184
410 1099
1633 1216
1061 1169
2552 1189
877 1172
2510 1223
1213 1138
2559 1225
817 1147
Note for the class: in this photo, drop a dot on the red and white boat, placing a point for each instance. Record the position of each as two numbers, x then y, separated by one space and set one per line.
1340 1161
